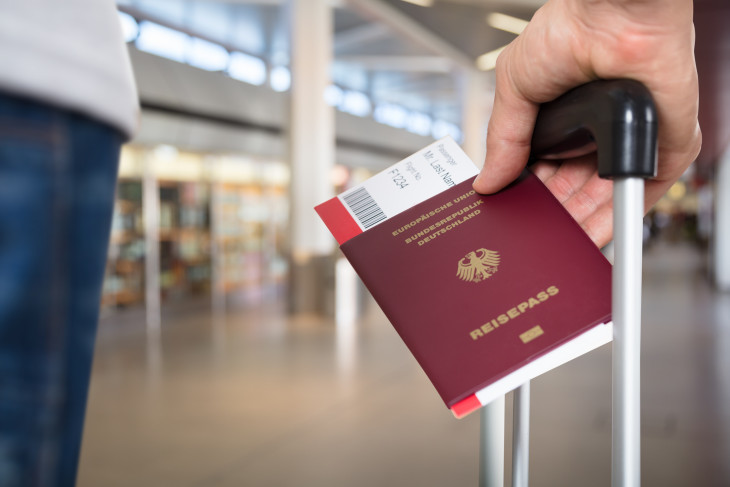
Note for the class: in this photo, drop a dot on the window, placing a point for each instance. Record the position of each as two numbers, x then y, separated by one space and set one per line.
356 103
250 69
333 95
280 78
419 123
162 41
207 55
130 28
442 128
391 114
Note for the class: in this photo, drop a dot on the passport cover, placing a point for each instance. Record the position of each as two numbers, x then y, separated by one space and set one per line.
479 286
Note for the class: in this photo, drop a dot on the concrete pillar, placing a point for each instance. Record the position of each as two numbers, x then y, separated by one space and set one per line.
721 235
477 95
151 213
312 144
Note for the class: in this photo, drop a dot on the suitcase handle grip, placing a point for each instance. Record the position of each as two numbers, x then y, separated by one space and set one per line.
619 116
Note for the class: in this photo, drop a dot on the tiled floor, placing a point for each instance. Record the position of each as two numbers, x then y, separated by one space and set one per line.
259 399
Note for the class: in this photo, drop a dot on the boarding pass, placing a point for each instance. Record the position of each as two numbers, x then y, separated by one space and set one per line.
416 178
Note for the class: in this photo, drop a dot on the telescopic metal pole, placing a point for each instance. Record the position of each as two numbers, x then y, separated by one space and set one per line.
491 444
521 436
620 117
628 198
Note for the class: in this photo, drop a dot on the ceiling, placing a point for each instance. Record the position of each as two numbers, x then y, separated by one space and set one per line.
400 52
390 49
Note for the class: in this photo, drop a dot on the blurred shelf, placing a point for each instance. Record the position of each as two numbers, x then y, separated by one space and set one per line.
231 232
124 279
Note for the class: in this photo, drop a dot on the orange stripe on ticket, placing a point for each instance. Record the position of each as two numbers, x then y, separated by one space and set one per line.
466 406
338 220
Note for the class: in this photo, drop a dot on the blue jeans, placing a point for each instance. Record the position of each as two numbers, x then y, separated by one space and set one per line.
57 181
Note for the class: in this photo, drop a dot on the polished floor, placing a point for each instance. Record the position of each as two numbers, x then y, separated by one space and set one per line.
255 398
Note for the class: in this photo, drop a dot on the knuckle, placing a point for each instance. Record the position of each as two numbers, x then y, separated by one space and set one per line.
584 203
560 187
696 144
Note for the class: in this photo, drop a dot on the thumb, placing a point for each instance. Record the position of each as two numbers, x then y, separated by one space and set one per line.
508 135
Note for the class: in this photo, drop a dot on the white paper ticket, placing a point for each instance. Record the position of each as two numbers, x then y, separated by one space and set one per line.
416 178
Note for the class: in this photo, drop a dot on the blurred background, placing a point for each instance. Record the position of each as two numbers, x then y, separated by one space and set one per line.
236 347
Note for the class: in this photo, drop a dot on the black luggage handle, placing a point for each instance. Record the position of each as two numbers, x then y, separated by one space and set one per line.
618 115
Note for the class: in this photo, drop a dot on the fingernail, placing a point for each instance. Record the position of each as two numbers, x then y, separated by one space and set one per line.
479 181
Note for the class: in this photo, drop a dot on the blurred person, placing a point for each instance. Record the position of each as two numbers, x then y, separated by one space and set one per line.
67 102
571 42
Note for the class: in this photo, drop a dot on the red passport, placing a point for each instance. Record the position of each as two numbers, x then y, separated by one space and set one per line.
487 292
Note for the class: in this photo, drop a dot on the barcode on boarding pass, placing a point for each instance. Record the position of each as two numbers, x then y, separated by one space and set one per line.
364 207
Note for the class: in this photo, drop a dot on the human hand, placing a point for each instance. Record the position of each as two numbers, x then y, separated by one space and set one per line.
571 42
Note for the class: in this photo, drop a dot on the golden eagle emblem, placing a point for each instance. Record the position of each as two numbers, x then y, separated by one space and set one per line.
478 265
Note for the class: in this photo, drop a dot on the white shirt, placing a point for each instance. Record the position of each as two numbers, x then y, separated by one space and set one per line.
69 53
